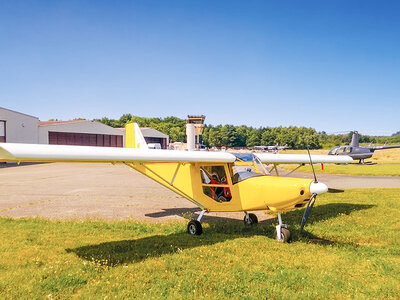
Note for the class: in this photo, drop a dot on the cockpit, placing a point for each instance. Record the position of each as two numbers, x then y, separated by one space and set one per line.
333 151
214 177
247 165
340 150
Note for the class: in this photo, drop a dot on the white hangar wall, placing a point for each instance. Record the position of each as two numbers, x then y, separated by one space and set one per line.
18 127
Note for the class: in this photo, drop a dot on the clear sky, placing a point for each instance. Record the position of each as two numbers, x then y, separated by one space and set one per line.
332 65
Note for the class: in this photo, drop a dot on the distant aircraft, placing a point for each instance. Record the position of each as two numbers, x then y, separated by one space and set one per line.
355 151
275 148
214 181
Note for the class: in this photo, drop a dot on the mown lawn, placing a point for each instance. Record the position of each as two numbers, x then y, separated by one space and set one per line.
350 249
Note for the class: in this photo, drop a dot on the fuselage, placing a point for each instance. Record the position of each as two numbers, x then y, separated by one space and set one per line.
272 193
358 152
244 185
354 152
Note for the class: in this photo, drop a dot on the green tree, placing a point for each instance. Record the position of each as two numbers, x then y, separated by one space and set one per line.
254 137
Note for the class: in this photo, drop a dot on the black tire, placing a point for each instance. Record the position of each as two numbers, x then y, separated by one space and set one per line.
285 235
251 219
194 228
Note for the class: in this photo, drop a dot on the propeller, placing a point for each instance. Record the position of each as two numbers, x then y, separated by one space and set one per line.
316 188
311 202
312 166
307 211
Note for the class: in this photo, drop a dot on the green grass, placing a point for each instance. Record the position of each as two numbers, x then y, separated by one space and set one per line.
382 169
350 249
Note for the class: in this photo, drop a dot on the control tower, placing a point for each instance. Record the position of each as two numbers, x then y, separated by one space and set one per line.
194 128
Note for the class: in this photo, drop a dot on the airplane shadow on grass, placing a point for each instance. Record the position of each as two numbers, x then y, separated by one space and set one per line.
219 230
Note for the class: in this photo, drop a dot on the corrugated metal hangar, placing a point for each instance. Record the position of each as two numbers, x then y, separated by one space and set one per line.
16 127
80 132
153 136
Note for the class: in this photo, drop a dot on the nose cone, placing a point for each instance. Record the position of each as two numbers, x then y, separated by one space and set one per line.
318 188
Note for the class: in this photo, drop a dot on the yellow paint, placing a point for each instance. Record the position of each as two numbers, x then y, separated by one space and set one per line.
272 192
256 193
130 135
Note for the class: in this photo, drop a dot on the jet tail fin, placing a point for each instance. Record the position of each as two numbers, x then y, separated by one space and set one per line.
134 137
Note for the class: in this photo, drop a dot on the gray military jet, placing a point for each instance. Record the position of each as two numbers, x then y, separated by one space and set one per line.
355 151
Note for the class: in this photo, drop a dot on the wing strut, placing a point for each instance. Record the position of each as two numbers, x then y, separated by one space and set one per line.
176 172
276 169
294 170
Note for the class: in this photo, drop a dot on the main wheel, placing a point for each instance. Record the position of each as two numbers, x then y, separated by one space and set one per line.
194 227
250 219
285 235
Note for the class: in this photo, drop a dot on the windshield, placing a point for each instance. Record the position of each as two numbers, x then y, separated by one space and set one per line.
333 150
246 165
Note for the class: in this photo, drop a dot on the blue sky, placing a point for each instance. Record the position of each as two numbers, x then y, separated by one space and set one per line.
331 65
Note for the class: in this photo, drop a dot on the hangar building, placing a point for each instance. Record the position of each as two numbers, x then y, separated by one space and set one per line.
153 136
16 127
80 132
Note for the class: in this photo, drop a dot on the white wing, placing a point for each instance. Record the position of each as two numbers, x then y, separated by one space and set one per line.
15 152
270 158
57 153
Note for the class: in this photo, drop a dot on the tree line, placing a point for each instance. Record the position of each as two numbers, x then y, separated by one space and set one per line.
174 127
246 136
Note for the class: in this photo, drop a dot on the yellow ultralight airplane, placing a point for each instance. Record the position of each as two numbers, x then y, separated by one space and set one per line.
214 181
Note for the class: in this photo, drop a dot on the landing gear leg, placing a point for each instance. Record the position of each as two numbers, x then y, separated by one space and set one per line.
250 219
282 234
194 226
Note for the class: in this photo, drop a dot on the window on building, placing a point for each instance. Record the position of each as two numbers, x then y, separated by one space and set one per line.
2 131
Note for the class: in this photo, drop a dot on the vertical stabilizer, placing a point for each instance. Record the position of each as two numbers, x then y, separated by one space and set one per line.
134 137
354 140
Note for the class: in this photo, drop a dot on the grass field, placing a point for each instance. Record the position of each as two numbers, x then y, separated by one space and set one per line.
387 164
350 249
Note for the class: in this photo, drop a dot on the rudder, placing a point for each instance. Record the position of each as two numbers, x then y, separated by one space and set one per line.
134 137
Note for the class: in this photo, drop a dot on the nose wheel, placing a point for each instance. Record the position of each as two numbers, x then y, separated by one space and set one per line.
282 234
